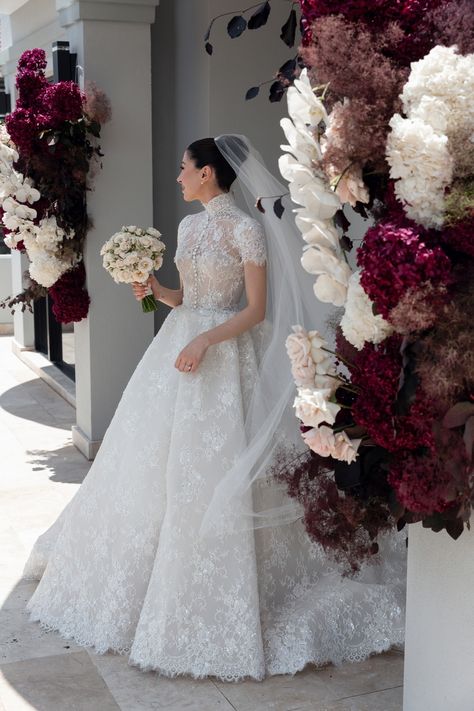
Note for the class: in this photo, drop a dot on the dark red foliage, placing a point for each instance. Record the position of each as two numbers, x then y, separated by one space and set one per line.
377 375
377 15
395 258
431 481
70 298
460 236
346 527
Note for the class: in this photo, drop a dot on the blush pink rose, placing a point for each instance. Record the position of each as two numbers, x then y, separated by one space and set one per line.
298 347
320 440
345 449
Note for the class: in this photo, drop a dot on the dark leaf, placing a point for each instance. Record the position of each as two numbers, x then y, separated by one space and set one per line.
346 243
209 48
287 70
360 209
252 92
401 523
455 528
278 208
341 220
288 31
469 437
300 62
259 17
347 476
259 205
458 415
208 33
277 90
94 128
236 26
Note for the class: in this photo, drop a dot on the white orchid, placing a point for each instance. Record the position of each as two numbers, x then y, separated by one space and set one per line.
301 143
303 105
329 290
26 192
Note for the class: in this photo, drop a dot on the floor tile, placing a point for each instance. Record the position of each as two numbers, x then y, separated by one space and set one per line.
21 639
135 690
55 683
317 685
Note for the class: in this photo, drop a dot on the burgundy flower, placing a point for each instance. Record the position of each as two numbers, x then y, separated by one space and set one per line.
395 258
21 126
432 481
62 102
33 60
377 375
30 85
70 298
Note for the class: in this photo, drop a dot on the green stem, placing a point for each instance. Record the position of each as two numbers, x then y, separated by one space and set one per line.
148 304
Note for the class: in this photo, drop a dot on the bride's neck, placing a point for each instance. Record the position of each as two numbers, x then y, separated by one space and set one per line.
209 194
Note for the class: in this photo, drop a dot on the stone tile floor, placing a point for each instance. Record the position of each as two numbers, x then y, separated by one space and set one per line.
39 472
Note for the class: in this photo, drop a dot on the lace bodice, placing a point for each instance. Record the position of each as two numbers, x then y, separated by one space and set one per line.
213 246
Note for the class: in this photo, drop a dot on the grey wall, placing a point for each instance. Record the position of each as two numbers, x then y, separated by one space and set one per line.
195 95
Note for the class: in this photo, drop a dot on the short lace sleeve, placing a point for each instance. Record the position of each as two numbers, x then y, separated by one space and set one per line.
250 238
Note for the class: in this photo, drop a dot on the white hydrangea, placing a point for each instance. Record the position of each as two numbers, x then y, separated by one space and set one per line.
46 268
438 101
359 324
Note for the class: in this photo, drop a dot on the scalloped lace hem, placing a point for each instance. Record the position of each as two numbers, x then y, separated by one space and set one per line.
227 674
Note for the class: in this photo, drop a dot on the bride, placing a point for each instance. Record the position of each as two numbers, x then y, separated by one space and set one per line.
180 549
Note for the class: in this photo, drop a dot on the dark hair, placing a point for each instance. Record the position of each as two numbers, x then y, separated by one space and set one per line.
205 152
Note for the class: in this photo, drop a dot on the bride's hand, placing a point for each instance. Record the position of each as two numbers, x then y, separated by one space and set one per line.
141 290
191 356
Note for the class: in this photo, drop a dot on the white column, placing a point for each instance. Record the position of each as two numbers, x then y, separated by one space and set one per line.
439 648
112 41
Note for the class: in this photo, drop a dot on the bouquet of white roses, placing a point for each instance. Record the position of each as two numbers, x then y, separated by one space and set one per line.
131 255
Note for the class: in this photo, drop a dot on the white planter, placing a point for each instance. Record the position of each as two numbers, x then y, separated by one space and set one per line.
439 648
5 285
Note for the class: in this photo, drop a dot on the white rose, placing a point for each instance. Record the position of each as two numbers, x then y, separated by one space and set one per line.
298 347
314 408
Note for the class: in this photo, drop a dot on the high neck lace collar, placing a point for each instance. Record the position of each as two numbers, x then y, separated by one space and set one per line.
218 203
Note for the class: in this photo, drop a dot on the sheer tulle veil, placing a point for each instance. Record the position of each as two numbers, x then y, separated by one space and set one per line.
272 436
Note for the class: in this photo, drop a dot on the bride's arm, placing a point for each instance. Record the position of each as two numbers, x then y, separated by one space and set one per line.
170 297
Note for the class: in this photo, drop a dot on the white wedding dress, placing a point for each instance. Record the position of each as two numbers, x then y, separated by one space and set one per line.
124 569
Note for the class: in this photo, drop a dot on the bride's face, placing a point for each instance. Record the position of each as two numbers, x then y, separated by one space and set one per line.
190 179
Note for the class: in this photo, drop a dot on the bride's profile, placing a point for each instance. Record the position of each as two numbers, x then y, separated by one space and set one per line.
180 548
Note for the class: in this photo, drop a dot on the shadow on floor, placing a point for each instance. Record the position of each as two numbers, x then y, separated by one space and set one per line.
65 464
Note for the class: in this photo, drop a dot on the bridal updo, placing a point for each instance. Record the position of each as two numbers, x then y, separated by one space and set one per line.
205 152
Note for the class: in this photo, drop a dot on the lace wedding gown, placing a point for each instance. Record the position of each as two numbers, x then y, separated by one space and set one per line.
123 568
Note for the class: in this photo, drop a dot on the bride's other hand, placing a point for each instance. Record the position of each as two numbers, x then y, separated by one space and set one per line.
191 356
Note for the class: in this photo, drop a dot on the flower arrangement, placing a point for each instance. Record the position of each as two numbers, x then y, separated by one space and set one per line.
381 120
131 254
47 147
